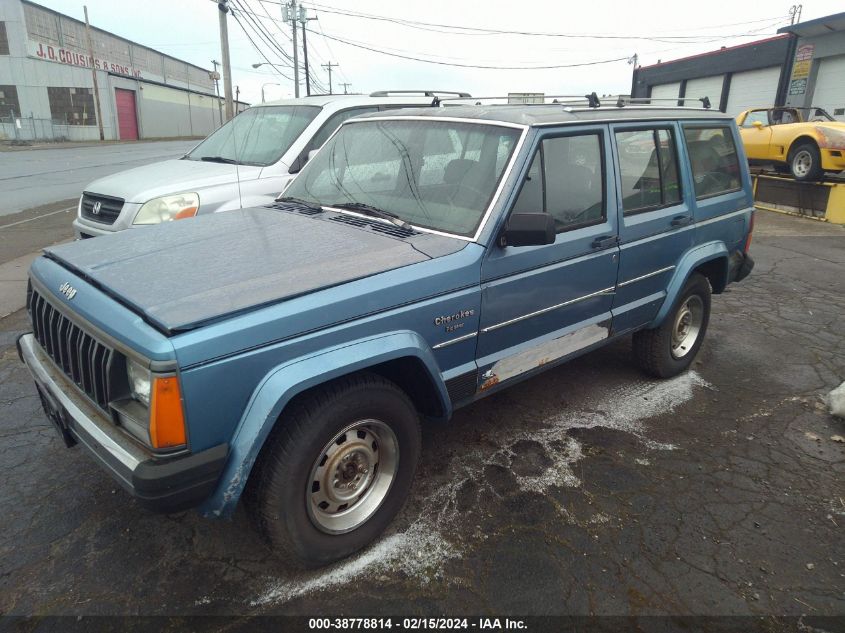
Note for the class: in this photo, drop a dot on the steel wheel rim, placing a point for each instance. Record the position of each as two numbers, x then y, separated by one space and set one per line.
351 476
687 326
802 163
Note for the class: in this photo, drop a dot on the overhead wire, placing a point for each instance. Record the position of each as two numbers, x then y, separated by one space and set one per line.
456 29
269 37
260 51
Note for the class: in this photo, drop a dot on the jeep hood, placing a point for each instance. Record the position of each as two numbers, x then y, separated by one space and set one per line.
144 183
182 274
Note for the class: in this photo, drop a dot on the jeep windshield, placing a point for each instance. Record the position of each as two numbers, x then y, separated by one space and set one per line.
439 175
258 136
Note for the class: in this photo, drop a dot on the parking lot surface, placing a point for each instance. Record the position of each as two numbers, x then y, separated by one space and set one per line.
587 490
31 178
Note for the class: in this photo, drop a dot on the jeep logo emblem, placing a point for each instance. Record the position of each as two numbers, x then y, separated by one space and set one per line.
67 290
97 206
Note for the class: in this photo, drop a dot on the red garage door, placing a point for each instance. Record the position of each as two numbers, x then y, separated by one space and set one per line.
127 120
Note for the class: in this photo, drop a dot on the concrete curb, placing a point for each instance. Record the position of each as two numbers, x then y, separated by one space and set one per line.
13 276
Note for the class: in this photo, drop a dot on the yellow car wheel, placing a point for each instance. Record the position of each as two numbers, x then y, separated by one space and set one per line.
805 161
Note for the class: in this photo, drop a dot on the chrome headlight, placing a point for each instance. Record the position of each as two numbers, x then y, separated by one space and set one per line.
167 208
139 381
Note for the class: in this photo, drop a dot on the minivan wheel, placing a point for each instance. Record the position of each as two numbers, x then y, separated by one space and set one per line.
805 162
337 469
669 349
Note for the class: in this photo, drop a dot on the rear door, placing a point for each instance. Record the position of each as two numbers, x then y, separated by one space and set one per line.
655 218
541 304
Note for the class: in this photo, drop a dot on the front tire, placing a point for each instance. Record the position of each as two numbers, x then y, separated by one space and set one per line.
669 349
337 470
805 162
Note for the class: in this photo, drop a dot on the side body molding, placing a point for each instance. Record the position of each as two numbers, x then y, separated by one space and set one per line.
295 376
690 260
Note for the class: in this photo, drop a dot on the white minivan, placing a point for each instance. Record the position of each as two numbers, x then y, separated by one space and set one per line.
247 162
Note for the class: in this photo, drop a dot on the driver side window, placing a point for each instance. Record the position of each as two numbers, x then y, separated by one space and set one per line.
566 180
761 116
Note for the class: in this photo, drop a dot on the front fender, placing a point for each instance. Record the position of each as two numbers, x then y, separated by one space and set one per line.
287 380
689 261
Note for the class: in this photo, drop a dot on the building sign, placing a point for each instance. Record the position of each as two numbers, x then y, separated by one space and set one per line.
60 55
801 69
797 86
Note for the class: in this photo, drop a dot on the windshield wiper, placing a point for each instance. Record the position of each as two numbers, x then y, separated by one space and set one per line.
372 211
219 159
300 201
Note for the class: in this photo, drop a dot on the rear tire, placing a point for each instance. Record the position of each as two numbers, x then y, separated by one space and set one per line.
805 162
669 349
337 469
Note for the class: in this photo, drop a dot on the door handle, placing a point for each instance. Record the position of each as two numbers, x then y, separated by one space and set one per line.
681 220
605 241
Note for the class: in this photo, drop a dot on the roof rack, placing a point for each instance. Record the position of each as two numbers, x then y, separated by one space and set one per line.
705 101
591 100
423 93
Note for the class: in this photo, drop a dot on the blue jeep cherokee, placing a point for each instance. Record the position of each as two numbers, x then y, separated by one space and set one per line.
419 262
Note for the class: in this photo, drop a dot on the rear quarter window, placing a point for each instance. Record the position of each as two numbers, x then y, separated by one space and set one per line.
713 160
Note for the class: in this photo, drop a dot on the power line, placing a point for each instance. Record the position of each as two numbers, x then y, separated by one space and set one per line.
268 36
440 63
283 32
469 30
260 51
316 82
261 32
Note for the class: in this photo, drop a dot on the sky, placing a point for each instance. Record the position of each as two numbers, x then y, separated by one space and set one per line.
451 32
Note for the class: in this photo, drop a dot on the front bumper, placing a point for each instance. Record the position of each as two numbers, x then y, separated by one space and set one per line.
163 484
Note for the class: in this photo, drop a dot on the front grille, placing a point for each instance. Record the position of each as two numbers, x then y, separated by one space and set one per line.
100 208
80 356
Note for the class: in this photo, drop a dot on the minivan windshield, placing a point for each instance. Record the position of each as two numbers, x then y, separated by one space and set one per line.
439 175
257 136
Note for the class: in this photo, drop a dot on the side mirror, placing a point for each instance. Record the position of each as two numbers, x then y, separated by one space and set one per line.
312 153
528 229
758 124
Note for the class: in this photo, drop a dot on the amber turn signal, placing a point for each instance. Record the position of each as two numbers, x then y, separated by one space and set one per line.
167 421
186 213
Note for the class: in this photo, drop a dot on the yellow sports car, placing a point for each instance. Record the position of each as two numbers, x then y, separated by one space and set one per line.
807 141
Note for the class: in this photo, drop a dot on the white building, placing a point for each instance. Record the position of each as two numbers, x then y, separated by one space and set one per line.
47 86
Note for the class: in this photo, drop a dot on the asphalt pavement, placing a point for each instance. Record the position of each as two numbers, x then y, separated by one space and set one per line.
35 177
590 489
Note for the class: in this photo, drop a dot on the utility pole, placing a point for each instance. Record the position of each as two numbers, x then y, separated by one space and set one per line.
223 9
237 96
97 109
795 13
290 14
329 67
345 86
216 76
303 19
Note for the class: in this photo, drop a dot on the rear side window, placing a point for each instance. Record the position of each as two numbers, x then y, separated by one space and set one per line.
566 180
648 167
714 161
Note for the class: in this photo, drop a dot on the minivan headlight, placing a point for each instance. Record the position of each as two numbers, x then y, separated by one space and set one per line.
139 381
167 208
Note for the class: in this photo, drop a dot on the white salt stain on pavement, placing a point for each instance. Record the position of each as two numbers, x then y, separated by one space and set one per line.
414 551
623 410
433 538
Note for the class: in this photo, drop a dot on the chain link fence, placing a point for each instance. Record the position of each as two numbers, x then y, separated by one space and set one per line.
22 129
